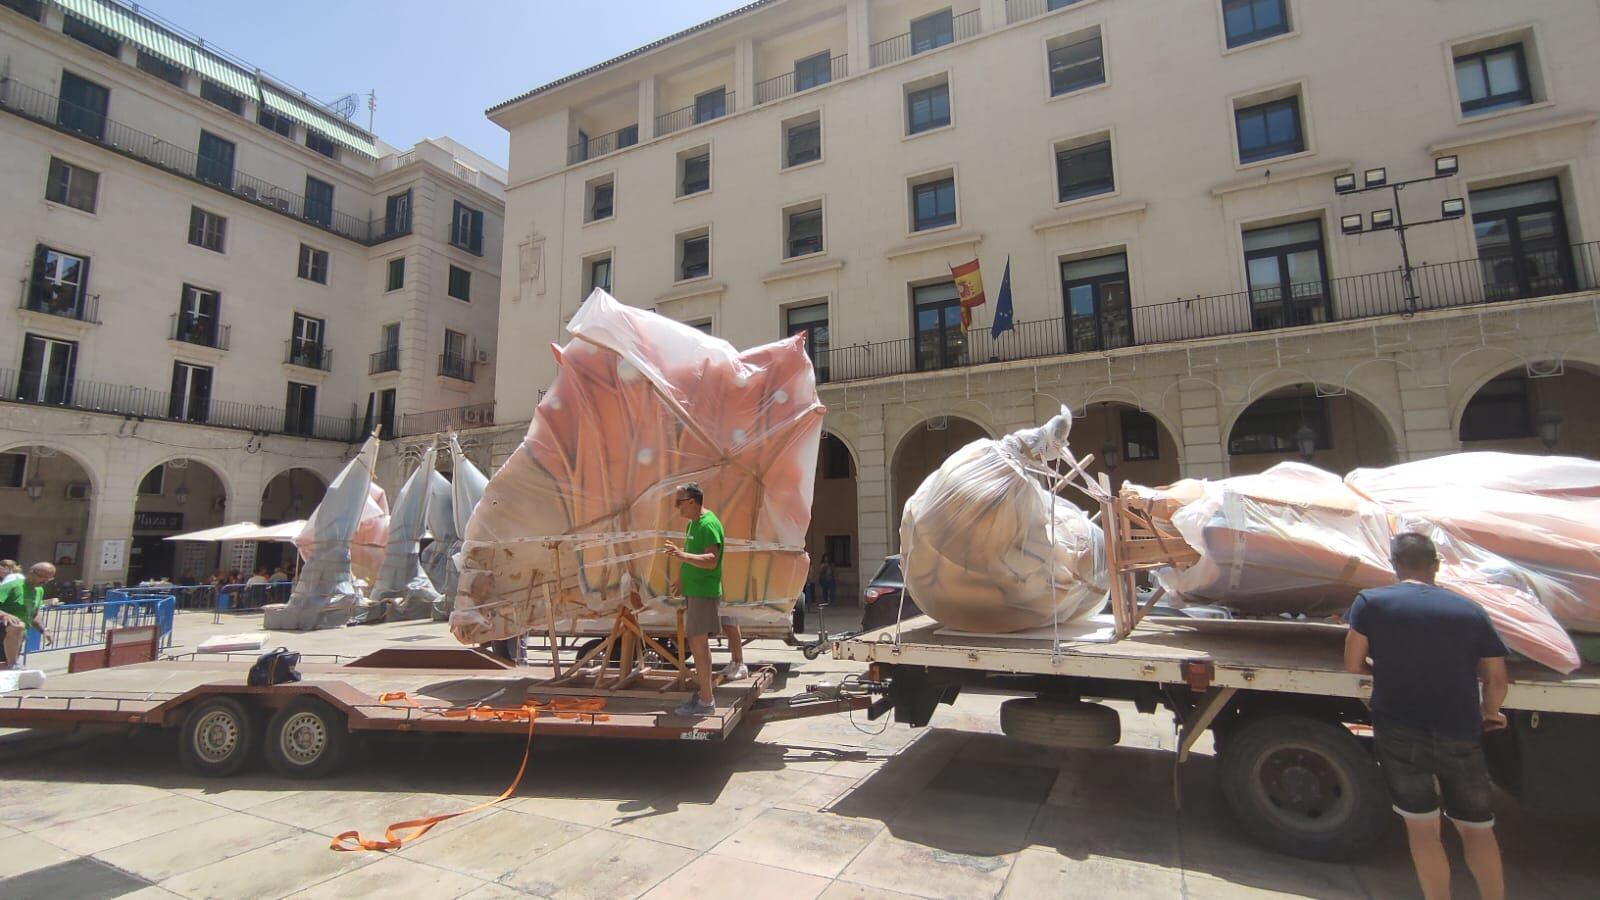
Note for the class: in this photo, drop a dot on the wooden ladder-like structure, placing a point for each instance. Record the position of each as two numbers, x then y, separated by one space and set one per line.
1134 543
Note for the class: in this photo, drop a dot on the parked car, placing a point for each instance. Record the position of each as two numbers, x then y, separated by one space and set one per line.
880 601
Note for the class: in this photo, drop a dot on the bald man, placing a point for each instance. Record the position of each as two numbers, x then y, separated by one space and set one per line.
20 601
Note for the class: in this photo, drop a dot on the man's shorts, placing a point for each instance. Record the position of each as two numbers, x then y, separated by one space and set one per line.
1422 768
700 617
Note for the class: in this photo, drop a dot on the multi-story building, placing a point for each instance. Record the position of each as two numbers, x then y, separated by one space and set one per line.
1173 185
233 275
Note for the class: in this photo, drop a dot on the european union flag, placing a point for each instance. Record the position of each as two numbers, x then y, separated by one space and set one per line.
1002 307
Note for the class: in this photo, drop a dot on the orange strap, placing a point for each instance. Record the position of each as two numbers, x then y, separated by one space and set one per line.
561 707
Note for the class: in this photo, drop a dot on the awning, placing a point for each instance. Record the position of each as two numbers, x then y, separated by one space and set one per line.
283 531
326 123
122 22
226 75
220 533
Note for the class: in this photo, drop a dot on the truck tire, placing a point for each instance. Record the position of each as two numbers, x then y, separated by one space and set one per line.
306 739
1056 723
1305 787
219 737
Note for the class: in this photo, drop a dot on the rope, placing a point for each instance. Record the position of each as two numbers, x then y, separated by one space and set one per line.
560 707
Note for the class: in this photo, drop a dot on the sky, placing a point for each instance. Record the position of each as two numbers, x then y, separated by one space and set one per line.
436 65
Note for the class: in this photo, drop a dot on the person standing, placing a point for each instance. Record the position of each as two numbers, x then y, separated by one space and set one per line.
700 580
1428 649
825 580
20 601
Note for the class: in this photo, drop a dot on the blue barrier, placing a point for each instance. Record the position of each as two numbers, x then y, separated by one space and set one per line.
77 625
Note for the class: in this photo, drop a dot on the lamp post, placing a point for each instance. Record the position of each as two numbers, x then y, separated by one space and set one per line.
1548 424
1393 218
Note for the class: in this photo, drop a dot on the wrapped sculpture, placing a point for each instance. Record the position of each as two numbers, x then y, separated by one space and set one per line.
571 526
403 590
974 534
466 490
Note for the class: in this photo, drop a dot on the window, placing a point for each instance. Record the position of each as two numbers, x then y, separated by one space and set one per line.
460 286
83 106
1084 170
13 470
1140 436
694 171
1272 424
206 229
214 93
48 367
384 422
936 316
601 193
1248 21
270 120
813 320
391 336
1288 275
802 230
1523 247
313 264
1076 62
72 185
1099 310
79 30
1493 79
627 136
306 342
813 71
198 311
397 213
1269 130
191 392
154 482
1501 410
387 359
928 108
839 550
466 229
396 276
933 204
215 163
33 9
802 141
321 143
694 256
454 362
932 31
713 104
160 68
599 274
319 202
702 325
60 283
300 409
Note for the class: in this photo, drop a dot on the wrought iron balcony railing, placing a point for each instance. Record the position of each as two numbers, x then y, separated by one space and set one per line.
435 421
453 365
600 146
65 301
786 84
385 360
694 114
901 46
307 354
204 332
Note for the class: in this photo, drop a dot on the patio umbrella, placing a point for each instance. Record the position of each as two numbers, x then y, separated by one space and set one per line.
325 595
466 489
238 531
283 531
575 519
403 590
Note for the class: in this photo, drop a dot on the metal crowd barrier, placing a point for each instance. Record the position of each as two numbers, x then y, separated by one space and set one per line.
246 598
76 625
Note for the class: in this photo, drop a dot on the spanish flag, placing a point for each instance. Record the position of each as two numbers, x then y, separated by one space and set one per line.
969 287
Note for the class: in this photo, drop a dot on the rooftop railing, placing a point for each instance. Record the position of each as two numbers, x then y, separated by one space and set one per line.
787 83
1022 10
902 46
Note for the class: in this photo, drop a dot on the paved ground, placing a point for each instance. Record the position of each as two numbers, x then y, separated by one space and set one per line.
825 807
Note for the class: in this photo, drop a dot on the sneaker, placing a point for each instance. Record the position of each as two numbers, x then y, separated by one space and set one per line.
694 706
731 672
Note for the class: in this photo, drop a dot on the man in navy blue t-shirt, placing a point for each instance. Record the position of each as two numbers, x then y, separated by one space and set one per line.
1429 648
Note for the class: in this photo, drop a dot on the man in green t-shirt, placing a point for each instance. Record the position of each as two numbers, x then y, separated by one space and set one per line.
701 583
20 600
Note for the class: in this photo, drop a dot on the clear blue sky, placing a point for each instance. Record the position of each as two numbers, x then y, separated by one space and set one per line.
436 65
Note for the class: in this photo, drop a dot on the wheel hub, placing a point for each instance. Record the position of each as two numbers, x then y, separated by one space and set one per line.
1302 783
216 736
303 738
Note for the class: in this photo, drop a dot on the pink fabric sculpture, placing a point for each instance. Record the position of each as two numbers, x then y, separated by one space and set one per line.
573 523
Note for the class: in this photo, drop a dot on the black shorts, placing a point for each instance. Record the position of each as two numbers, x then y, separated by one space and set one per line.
1422 769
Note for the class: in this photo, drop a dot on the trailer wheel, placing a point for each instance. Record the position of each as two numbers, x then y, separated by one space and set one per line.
1058 723
306 739
219 737
1305 787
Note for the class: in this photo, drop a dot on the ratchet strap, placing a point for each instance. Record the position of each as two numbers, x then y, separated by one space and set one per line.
400 833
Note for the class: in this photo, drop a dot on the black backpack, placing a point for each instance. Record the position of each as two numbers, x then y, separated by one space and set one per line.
275 667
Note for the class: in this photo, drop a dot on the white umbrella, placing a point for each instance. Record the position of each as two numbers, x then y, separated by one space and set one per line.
283 531
234 532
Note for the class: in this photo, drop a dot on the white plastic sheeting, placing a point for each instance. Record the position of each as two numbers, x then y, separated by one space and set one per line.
986 547
640 405
467 485
402 586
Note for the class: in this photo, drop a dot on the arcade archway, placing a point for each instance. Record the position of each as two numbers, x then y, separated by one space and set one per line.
920 453
1337 433
1128 444
834 532
1516 413
49 495
173 497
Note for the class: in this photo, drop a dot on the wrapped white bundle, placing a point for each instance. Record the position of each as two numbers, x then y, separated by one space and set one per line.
978 544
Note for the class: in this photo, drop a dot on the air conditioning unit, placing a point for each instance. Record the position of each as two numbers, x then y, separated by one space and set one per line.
282 203
77 490
249 193
483 356
471 416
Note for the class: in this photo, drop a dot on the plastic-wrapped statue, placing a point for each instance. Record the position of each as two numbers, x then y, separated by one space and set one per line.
982 537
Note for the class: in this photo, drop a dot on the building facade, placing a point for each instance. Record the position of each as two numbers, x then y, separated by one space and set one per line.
1173 188
221 286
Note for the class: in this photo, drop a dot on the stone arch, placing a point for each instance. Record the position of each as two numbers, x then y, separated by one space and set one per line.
835 514
1138 456
1351 418
96 482
54 524
915 457
216 467
286 508
192 494
1567 395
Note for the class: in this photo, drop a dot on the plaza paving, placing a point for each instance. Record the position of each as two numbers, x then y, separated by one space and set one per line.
829 807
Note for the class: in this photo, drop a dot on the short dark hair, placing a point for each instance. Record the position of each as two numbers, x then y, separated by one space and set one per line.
1412 550
693 492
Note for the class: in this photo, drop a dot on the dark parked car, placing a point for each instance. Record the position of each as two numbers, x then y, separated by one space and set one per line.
880 602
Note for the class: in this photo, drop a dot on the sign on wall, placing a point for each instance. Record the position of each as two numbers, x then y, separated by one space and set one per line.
158 521
112 554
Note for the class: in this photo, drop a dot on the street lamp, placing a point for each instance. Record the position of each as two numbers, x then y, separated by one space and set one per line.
1548 423
1110 456
1306 440
35 487
1393 218
181 494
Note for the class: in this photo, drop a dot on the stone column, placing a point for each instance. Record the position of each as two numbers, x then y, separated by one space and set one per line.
1203 442
858 37
647 108
991 14
744 75
1425 413
873 513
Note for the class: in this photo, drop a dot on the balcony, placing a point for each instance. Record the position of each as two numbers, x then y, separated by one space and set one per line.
93 126
452 365
600 146
200 332
439 420
1023 10
51 300
694 114
1451 285
904 46
144 403
307 354
784 85
385 360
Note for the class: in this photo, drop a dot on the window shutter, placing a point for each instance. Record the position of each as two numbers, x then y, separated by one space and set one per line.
36 295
